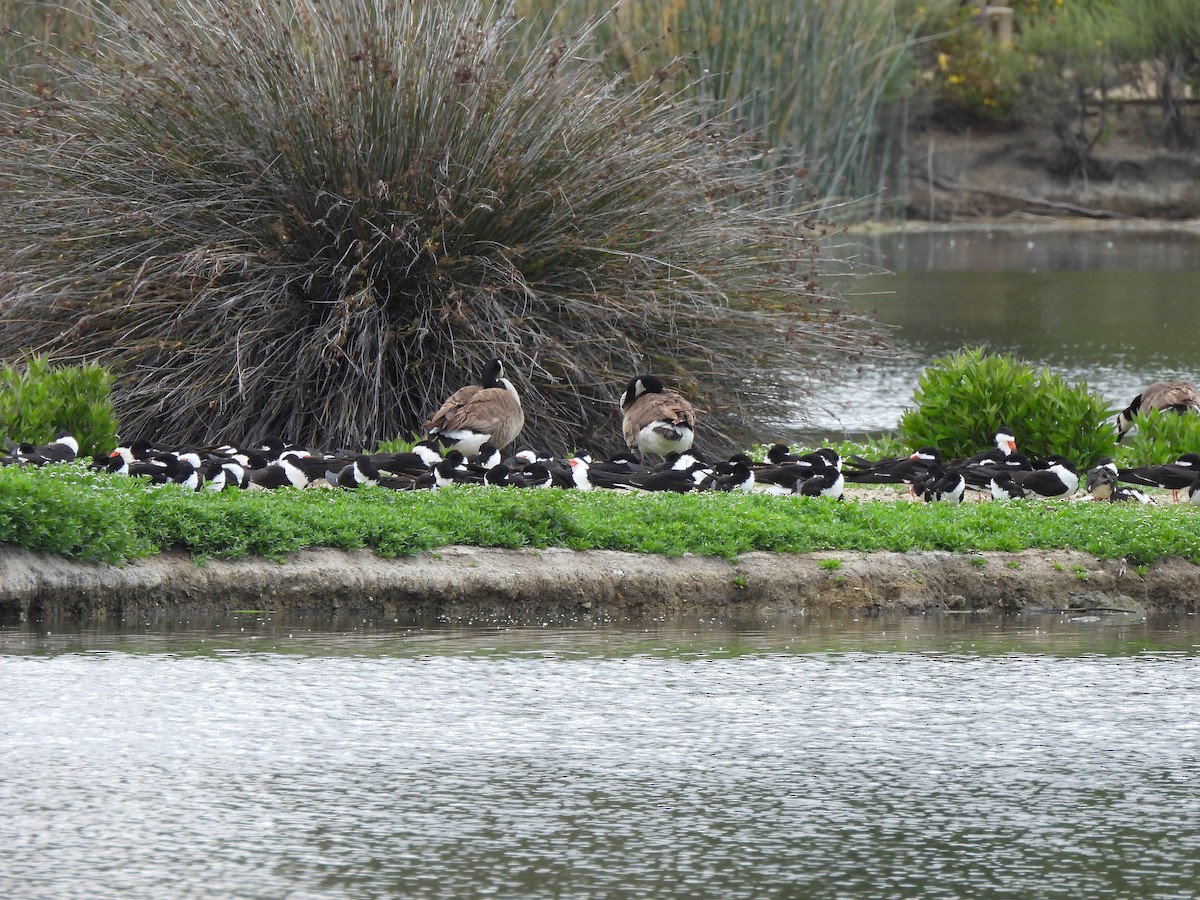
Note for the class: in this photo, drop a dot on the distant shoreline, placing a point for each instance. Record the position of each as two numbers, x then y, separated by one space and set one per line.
555 585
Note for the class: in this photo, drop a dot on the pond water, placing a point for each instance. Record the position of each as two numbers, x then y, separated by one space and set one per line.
1113 307
934 756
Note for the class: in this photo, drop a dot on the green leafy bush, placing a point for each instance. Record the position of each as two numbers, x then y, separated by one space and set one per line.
961 400
1160 437
38 400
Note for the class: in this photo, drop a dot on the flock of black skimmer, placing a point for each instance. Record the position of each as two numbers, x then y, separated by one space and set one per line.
464 439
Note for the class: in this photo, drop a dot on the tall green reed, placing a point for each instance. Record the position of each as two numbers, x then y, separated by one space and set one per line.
823 82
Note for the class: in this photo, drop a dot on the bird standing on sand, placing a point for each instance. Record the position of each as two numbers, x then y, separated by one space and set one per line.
656 421
1176 396
489 412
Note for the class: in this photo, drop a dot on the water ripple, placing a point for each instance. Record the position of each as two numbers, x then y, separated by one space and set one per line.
839 774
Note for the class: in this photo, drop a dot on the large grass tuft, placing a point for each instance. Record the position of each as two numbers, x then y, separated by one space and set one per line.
316 220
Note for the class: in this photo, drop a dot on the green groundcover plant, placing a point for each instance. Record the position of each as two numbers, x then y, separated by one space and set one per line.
38 400
961 399
69 511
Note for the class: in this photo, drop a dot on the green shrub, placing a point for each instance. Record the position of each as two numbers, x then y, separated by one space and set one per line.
1160 437
38 400
961 400
317 220
970 74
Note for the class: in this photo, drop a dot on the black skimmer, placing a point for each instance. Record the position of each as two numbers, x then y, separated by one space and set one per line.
64 448
893 470
359 473
1174 396
1101 479
581 476
734 474
161 468
1054 476
287 472
680 481
822 481
1004 488
220 475
416 462
486 457
1128 495
488 412
1175 476
941 485
1005 445
654 420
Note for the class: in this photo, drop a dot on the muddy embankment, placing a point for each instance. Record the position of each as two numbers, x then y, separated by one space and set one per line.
474 584
992 171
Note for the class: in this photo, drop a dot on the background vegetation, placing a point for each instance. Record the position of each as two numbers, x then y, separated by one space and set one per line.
38 400
320 224
317 221
962 399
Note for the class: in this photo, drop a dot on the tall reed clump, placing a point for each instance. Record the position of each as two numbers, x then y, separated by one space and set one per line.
317 220
822 82
963 398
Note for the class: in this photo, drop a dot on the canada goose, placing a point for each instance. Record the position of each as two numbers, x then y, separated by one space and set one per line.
489 412
1177 396
656 421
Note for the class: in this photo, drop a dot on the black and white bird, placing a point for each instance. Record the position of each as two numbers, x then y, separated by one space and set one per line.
823 481
941 484
64 448
1101 479
656 421
488 412
1174 477
1177 396
733 474
1129 495
893 470
1053 476
1004 446
1004 488
359 473
286 472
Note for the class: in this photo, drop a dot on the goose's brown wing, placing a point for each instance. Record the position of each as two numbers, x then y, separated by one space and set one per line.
1167 394
666 407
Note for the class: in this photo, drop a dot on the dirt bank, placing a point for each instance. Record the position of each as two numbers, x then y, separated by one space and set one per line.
993 171
468 583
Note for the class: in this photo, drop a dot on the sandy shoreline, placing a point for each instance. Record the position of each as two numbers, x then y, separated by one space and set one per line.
554 585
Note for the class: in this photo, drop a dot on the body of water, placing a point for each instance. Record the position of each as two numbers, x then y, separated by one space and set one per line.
936 756
1114 308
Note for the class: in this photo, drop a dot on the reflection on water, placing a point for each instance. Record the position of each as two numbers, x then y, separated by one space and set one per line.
1112 308
934 756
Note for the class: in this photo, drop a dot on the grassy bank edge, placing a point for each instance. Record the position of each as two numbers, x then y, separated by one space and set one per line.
70 512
